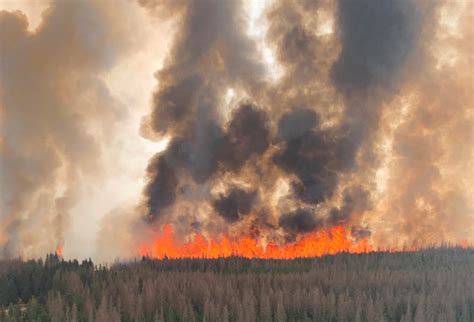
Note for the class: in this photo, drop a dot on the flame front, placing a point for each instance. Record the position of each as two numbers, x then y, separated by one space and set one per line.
312 244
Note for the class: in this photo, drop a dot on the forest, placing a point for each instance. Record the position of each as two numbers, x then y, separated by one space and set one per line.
434 284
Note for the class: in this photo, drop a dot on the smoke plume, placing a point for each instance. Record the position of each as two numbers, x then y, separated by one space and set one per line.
311 148
348 113
55 114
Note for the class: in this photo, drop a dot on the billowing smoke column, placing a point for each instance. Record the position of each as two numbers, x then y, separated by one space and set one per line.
210 54
55 114
304 151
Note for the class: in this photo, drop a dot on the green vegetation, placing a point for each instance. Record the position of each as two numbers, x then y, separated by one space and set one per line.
431 285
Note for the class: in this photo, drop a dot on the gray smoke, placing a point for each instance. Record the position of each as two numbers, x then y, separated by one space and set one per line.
55 112
283 140
299 221
235 204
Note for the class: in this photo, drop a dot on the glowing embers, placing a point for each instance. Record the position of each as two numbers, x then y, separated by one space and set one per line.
312 244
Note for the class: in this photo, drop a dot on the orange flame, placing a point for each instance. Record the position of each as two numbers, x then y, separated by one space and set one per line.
312 244
59 250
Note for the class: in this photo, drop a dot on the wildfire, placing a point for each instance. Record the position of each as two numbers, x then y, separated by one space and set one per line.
312 244
59 250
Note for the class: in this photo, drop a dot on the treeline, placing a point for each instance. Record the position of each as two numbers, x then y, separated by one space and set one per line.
431 285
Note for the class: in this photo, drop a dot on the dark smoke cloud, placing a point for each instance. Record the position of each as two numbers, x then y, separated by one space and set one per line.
192 81
161 190
211 53
210 150
299 221
296 123
302 54
318 127
192 86
234 204
175 102
354 199
315 156
198 154
377 39
247 136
